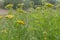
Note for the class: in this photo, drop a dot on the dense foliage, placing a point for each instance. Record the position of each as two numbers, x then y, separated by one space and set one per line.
42 23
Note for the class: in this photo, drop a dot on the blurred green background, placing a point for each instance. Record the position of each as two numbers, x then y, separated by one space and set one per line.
3 3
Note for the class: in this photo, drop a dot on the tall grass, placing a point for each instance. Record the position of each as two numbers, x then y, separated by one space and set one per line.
42 23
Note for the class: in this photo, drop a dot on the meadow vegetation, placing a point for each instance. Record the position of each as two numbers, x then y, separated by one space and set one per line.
41 23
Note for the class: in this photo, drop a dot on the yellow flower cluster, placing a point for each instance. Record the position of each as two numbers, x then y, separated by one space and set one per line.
20 22
9 16
20 10
50 5
9 6
12 16
1 17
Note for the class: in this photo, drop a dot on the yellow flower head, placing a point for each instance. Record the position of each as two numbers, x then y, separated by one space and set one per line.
20 22
9 6
9 16
0 17
20 10
50 5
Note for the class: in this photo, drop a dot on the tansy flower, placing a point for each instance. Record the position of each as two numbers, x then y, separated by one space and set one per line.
50 5
9 6
20 22
0 17
20 10
9 16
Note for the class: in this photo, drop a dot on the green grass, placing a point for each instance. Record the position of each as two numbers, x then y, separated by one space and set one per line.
42 24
